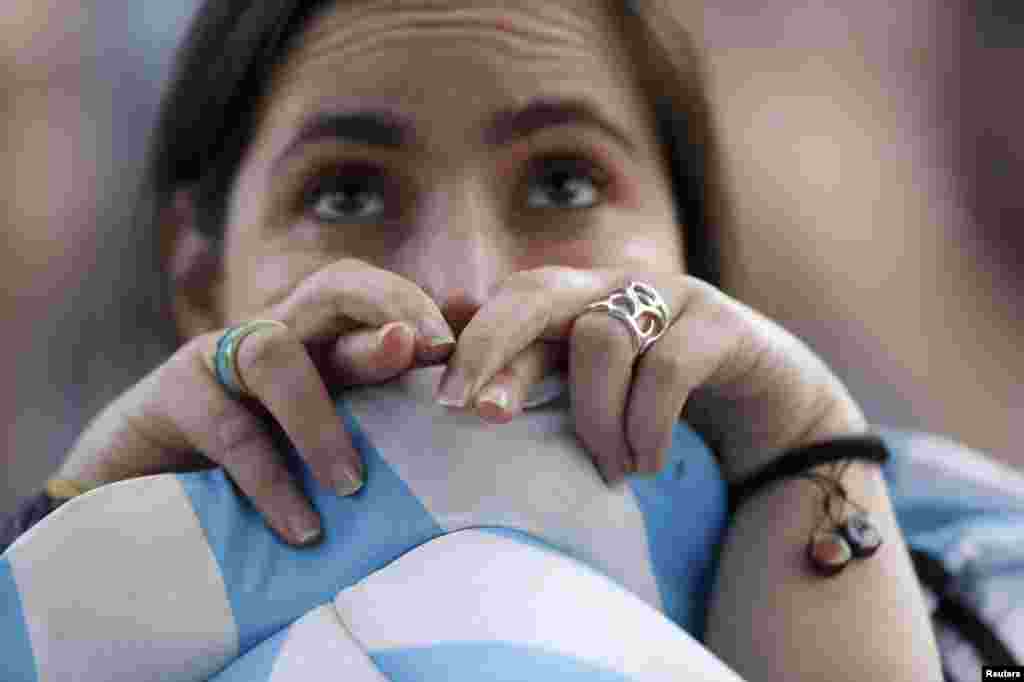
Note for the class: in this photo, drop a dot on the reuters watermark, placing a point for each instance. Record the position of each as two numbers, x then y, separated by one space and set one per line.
1002 672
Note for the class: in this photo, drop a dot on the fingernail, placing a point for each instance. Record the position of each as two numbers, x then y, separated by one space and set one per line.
347 480
431 330
493 403
436 348
389 328
438 342
305 529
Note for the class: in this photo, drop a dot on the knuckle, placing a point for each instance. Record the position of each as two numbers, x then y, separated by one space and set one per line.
668 364
603 333
265 349
271 482
251 462
196 350
407 301
418 307
353 289
327 276
591 325
668 369
238 429
400 295
722 320
189 368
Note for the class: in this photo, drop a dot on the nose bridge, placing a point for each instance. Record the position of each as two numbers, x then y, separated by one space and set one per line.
457 246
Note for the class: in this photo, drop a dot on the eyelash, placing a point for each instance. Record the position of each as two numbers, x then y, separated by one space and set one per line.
337 178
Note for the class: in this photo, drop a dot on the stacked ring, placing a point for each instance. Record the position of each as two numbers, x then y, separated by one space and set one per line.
225 360
631 304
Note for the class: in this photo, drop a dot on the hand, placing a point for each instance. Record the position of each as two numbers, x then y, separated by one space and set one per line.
159 424
748 386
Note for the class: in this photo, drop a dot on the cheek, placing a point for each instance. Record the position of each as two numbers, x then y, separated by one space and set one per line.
619 249
263 266
658 254
260 277
577 254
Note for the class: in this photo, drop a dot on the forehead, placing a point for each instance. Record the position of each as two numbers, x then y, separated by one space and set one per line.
428 55
529 27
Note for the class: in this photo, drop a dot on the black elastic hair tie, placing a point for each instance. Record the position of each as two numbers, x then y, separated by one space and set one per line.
796 462
831 550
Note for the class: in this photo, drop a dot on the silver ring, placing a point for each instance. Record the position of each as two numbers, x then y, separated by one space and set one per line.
225 360
630 304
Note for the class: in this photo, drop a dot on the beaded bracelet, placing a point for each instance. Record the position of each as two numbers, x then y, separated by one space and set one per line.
830 551
66 488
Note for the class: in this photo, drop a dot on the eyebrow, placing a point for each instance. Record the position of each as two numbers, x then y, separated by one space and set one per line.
388 129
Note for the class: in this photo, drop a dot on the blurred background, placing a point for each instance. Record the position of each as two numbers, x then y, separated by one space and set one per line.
878 150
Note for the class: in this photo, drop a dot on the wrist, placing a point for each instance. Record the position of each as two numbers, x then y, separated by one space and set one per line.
843 421
807 462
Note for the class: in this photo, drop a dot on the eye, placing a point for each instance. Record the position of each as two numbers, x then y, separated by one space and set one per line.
567 182
349 195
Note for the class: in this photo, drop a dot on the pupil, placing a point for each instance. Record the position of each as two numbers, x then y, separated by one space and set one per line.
564 188
349 199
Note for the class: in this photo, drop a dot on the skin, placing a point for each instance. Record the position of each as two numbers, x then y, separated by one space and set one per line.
464 251
506 261
457 221
456 218
470 227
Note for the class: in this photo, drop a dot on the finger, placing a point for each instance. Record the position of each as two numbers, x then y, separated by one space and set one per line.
543 304
698 345
231 436
281 376
747 385
245 450
350 294
601 354
502 399
285 381
663 379
368 356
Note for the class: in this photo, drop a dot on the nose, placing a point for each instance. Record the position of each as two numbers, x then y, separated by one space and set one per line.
458 309
457 252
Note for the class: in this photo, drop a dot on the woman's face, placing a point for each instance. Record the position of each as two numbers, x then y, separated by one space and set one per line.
453 143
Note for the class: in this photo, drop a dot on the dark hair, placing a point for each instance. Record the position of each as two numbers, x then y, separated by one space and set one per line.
208 112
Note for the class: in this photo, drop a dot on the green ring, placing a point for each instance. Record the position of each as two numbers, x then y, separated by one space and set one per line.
227 347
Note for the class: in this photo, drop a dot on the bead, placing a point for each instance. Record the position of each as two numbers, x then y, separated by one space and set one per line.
829 553
64 489
861 534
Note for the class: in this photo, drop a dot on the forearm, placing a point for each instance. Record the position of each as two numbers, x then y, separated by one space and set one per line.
771 618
